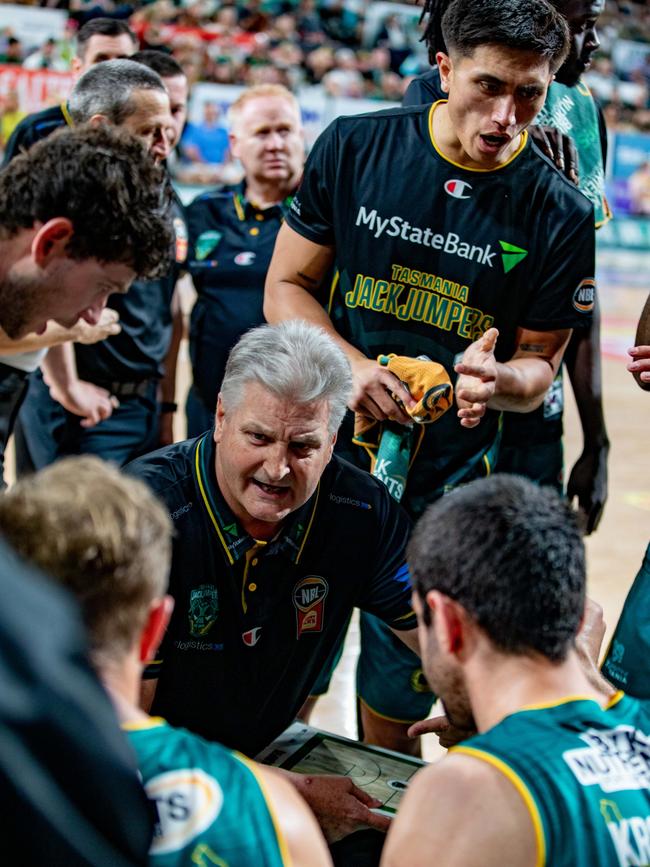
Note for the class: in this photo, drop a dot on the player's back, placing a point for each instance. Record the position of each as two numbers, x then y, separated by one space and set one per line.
210 806
584 773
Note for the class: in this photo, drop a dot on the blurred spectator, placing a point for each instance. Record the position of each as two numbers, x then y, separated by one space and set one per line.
11 115
206 142
639 190
11 51
46 57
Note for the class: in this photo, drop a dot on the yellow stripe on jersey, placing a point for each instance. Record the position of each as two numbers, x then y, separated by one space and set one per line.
522 789
614 700
66 114
152 722
522 145
557 702
207 505
311 521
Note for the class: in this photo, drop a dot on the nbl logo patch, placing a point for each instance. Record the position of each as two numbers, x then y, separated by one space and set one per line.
584 296
309 601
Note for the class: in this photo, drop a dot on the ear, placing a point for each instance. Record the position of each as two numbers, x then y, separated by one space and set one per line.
98 120
449 623
446 67
75 66
160 613
218 420
232 142
332 443
51 240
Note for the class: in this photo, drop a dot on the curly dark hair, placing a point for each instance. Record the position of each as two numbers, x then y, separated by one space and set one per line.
530 25
106 184
511 554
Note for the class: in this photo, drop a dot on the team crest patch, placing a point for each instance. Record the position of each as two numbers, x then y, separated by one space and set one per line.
180 231
309 601
419 682
206 243
585 296
186 802
204 608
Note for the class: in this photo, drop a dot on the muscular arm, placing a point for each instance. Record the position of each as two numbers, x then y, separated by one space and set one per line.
55 334
295 820
467 814
523 381
85 399
588 478
517 385
296 272
640 364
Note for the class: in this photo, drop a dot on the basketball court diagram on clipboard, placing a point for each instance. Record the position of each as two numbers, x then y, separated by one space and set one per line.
381 773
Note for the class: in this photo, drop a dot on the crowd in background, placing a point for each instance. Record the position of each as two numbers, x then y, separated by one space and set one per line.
347 47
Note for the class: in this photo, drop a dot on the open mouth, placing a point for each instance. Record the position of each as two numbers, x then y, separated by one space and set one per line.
494 141
271 490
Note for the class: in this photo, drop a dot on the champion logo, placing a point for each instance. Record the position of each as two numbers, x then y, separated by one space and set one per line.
458 189
251 637
245 258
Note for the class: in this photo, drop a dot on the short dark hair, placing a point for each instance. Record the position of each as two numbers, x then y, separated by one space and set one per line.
105 183
527 25
162 63
511 554
108 88
102 27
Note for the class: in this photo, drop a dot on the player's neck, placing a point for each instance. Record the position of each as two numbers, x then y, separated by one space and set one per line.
450 146
122 682
500 688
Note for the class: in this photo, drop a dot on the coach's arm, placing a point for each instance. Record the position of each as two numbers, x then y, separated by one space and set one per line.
297 271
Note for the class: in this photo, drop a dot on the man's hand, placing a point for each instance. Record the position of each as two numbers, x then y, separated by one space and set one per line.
92 403
557 147
639 367
371 394
107 326
588 482
476 383
340 807
447 734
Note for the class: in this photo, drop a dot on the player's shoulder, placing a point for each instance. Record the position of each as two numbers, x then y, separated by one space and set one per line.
558 189
404 115
167 468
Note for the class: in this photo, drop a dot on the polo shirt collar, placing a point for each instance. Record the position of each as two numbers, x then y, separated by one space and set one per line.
235 541
246 210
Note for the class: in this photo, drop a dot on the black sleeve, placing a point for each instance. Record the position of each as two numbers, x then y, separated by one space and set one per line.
602 131
565 291
388 591
21 139
311 211
69 792
424 89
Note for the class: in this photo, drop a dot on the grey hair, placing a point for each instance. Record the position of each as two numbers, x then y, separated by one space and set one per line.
294 360
107 88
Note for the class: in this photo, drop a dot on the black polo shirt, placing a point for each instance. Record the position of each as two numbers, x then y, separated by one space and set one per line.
138 351
35 127
431 254
231 242
254 622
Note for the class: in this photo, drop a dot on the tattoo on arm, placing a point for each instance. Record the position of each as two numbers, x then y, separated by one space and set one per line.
533 347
